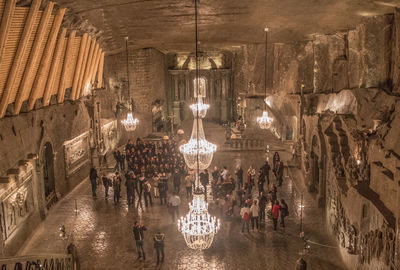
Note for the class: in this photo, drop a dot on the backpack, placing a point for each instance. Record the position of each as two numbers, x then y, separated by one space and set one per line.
246 216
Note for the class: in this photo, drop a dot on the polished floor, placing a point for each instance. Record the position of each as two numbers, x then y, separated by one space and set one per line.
102 231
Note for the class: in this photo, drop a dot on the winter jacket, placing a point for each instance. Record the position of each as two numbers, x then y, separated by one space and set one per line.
275 211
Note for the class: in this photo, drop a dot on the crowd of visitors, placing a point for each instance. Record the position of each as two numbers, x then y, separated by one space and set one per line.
148 172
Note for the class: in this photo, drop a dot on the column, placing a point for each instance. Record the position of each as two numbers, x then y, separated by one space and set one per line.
224 101
176 89
321 187
37 185
187 87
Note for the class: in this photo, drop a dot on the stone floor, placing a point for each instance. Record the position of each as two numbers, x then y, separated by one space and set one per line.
102 231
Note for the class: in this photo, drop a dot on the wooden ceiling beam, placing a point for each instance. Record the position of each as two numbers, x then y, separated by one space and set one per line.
82 50
29 76
66 67
85 68
95 63
100 71
8 15
23 42
51 45
55 64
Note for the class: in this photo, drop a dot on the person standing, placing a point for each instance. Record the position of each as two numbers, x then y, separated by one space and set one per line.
130 189
159 246
93 180
106 184
279 173
147 193
138 232
163 187
261 181
251 174
245 214
284 212
116 158
121 160
204 180
262 204
266 168
174 202
117 187
177 181
215 174
156 182
275 213
254 211
275 161
189 185
239 176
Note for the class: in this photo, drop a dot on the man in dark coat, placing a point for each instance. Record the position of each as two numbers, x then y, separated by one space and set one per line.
177 181
130 189
106 183
159 246
93 177
266 168
138 232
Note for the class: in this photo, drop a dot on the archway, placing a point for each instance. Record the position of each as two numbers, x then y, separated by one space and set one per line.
48 174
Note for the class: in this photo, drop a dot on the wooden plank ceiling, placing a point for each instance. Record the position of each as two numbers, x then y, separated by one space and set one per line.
39 59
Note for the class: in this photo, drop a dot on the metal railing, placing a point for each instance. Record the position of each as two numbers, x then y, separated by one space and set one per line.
39 262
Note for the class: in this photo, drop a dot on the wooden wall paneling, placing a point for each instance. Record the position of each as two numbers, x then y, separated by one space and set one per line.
85 69
100 71
25 58
46 60
57 78
78 68
68 61
7 16
93 66
11 46
33 11
55 63
34 58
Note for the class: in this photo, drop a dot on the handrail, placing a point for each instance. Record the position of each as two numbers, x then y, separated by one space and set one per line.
36 262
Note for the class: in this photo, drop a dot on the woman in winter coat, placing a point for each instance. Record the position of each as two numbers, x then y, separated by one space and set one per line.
275 213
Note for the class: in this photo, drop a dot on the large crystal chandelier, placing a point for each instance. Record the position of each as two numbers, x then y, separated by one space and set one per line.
264 122
198 152
129 123
198 227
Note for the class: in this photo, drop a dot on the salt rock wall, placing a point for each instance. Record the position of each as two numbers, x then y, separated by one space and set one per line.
147 76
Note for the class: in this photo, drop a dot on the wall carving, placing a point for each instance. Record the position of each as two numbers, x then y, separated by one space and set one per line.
76 153
109 137
18 204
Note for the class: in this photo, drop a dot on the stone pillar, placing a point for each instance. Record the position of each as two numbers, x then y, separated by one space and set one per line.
321 187
224 101
187 87
177 112
37 186
176 89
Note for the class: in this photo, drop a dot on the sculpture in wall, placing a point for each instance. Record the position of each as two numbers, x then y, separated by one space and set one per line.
76 153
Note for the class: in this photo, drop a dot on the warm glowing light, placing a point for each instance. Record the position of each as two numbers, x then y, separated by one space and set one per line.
198 149
198 227
199 107
267 101
130 123
264 121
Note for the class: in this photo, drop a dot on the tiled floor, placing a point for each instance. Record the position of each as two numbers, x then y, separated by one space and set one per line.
102 231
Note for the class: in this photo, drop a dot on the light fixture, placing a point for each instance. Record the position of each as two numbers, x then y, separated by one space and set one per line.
198 227
129 123
264 122
199 109
198 152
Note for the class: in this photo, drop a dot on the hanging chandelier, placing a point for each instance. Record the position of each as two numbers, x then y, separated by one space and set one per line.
199 109
198 152
264 122
198 227
129 123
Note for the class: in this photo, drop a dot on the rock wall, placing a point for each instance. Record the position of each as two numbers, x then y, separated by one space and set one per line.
147 77
22 138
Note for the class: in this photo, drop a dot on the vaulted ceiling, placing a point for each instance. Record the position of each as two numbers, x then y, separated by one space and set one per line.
224 24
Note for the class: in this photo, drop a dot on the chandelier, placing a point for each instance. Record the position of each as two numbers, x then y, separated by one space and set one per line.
198 152
198 227
264 122
199 109
130 123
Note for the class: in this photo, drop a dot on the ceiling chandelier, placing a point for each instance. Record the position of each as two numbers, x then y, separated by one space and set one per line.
198 227
129 123
264 122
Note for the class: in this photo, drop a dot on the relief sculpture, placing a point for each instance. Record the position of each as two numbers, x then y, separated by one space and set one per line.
76 153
